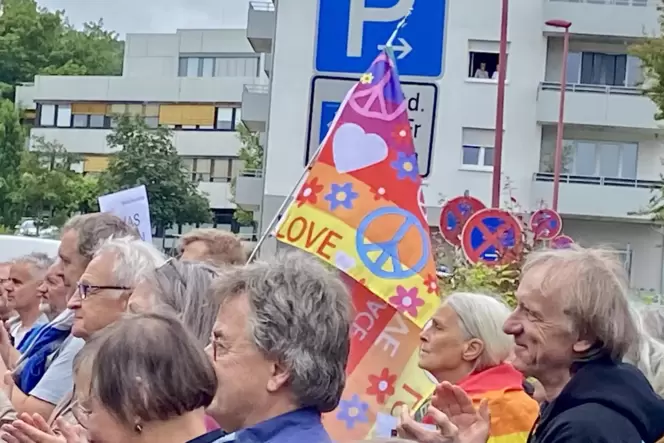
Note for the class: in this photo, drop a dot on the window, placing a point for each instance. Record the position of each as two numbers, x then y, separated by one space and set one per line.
152 122
224 119
247 66
207 68
596 68
98 121
483 65
601 159
80 121
63 119
212 169
477 148
55 115
47 115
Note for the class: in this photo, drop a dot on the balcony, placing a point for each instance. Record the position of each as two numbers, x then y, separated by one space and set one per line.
255 104
267 67
141 89
249 189
188 143
260 26
607 197
629 19
597 105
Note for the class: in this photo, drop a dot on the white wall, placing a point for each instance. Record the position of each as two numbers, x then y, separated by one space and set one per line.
644 240
157 55
462 103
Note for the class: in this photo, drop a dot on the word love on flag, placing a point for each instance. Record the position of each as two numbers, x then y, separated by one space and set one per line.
382 372
360 207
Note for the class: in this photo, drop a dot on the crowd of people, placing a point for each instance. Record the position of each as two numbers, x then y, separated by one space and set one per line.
113 342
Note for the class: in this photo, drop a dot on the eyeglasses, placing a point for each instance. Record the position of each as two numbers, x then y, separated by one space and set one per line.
85 289
80 413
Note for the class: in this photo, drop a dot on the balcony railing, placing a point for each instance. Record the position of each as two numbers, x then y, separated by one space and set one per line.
595 89
255 173
639 3
262 6
600 181
257 89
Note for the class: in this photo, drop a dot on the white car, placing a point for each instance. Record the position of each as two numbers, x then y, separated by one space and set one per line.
28 228
14 246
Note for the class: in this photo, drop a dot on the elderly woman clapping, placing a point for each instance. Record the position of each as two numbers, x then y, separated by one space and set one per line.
464 344
146 380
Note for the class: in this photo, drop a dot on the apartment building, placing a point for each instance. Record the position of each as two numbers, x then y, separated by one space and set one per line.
190 81
613 145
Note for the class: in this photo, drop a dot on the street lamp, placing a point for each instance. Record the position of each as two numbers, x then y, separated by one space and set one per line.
500 105
557 165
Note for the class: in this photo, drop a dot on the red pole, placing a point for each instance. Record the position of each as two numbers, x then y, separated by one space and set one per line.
561 114
500 105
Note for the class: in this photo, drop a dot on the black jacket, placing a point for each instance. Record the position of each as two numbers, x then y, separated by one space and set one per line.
604 402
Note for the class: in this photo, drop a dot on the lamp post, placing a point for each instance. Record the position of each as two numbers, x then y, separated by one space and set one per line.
557 165
500 105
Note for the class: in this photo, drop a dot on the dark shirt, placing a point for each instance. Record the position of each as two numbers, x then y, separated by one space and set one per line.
604 402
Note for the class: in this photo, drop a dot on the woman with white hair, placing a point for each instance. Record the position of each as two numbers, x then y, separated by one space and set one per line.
464 344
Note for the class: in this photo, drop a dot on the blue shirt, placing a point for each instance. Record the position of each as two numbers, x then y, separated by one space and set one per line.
210 437
301 425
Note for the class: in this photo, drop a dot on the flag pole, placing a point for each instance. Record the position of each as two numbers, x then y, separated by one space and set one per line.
274 223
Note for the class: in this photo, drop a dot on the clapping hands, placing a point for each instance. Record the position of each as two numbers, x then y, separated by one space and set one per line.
455 416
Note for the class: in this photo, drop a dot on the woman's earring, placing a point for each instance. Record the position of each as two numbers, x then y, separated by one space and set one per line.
138 428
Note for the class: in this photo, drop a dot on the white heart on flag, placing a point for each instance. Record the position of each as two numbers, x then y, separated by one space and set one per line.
354 149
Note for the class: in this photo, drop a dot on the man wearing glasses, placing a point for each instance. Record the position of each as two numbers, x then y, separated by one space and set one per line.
43 365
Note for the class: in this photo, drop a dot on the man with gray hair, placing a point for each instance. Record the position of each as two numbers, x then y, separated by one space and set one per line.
572 327
280 348
43 374
25 276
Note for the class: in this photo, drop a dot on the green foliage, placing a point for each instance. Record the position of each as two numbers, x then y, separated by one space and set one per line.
494 280
12 146
251 153
148 157
46 186
651 52
36 41
4 230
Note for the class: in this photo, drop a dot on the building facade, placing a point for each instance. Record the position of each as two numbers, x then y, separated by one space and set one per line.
190 81
613 145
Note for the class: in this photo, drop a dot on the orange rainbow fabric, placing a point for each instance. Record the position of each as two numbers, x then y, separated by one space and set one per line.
513 412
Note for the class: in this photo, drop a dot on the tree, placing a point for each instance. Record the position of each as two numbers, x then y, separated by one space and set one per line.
251 153
45 189
12 146
36 41
651 52
148 157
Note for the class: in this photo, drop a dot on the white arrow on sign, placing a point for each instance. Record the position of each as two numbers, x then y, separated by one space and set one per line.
404 48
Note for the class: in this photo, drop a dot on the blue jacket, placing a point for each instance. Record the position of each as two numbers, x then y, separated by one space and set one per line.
302 425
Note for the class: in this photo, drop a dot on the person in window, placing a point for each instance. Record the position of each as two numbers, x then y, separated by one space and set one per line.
481 72
494 76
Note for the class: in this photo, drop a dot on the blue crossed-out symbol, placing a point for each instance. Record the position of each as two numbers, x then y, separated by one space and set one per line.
389 250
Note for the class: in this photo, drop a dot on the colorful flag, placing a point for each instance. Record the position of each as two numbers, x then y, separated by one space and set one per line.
361 207
382 373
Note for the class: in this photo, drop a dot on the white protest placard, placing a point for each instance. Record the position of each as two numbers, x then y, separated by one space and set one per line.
132 206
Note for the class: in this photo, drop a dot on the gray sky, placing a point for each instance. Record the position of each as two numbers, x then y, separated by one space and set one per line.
152 16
